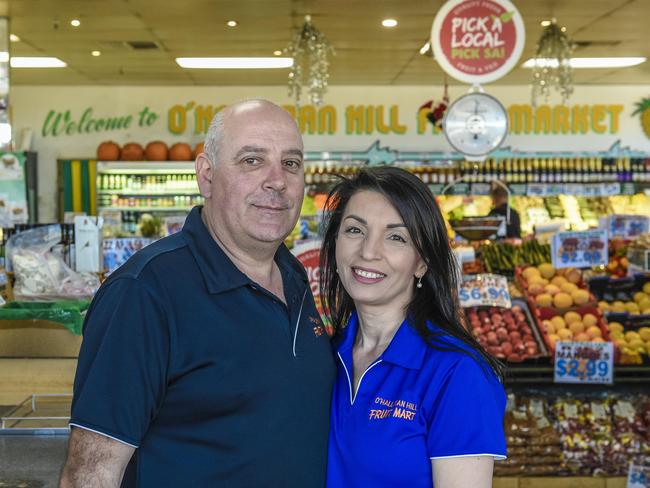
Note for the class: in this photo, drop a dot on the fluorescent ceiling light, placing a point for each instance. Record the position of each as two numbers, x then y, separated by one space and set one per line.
545 23
389 22
75 22
579 63
96 53
235 63
14 38
36 62
277 53
231 23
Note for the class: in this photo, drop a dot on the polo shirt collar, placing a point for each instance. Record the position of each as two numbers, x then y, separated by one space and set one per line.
218 271
406 349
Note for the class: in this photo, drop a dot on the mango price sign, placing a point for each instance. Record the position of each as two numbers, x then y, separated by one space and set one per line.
638 476
579 249
484 290
477 41
584 362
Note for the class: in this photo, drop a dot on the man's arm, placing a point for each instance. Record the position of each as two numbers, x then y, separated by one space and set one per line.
94 460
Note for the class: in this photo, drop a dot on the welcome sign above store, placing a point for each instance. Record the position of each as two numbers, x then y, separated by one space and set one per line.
192 118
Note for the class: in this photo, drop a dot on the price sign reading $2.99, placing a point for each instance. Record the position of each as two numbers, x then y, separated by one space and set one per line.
579 249
584 362
484 290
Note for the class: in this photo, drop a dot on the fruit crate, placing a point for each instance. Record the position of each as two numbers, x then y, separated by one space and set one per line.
542 314
609 289
522 329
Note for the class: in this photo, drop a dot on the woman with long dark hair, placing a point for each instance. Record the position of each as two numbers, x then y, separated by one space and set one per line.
417 399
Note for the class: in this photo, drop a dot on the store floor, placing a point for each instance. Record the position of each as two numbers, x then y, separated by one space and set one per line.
31 461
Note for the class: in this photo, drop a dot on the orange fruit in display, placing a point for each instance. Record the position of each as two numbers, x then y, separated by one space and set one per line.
582 337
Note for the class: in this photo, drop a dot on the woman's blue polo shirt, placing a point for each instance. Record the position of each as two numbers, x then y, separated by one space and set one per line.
413 404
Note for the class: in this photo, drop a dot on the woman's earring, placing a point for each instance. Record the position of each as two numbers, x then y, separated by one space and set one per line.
419 285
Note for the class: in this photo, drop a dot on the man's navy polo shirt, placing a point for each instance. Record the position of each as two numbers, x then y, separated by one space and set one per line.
211 377
413 404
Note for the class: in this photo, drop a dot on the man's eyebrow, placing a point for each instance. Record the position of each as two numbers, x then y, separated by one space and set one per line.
295 152
250 149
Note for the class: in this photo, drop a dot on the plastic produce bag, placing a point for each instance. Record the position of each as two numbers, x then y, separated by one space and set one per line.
40 272
70 314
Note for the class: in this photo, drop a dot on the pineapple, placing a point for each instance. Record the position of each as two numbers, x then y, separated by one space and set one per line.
643 108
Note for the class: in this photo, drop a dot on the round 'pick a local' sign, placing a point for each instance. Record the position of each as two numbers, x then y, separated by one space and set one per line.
477 41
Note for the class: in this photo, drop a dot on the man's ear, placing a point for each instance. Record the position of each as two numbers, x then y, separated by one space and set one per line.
204 174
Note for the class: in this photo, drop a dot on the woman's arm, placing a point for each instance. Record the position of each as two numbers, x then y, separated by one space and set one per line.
463 472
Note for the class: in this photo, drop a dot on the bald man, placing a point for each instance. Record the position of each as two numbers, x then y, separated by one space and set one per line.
202 362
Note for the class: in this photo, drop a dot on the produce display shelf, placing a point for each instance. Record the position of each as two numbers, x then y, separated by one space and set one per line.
147 209
145 167
149 192
524 374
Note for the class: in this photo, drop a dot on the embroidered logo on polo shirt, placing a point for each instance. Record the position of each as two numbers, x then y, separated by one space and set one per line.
400 409
319 330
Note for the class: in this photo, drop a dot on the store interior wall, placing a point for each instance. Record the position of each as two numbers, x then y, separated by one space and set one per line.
37 107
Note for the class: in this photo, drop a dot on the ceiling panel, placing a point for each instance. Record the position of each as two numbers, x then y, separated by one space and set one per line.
366 52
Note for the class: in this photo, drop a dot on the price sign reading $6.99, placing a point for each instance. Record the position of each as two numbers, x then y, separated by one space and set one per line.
484 289
584 362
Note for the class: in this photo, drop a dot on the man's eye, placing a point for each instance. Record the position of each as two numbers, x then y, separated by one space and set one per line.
251 161
292 163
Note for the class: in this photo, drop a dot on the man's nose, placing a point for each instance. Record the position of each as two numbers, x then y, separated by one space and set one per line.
276 177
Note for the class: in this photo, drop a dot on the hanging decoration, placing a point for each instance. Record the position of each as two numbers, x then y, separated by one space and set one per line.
436 112
310 51
553 64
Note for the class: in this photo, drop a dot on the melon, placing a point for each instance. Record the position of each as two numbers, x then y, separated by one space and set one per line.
568 287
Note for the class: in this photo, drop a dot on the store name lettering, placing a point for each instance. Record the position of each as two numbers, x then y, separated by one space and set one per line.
563 119
352 120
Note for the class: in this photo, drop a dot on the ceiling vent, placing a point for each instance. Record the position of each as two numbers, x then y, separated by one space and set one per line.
142 45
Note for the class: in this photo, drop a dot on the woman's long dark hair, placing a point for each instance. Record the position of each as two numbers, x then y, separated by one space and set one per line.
437 301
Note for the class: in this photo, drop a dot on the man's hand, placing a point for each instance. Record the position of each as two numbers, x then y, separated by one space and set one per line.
94 460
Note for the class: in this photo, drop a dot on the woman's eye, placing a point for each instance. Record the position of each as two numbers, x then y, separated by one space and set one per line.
397 238
352 230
